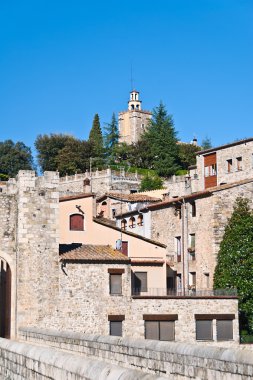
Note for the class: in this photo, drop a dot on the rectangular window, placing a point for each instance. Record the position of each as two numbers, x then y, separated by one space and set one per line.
115 283
239 163
204 330
192 241
206 171
192 279
207 280
116 328
178 248
160 330
140 282
229 166
193 209
179 281
224 330
113 213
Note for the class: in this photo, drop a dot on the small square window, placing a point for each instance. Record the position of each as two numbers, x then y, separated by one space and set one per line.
160 330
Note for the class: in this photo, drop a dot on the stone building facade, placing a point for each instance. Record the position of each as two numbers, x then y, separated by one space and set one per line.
134 121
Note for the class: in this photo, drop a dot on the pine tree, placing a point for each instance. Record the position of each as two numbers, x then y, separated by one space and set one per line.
111 136
161 139
235 258
96 137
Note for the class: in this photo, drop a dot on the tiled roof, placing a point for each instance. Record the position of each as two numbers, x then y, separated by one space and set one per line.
225 146
77 196
136 197
88 252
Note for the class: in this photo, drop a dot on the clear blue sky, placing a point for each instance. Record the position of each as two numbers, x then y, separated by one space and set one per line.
63 61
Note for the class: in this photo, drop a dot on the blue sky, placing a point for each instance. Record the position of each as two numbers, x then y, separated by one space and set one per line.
63 61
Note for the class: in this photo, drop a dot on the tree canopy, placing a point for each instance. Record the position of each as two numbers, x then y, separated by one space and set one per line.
161 142
187 154
111 136
235 258
151 182
96 138
14 157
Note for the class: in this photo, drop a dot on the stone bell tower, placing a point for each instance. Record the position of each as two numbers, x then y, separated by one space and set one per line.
134 121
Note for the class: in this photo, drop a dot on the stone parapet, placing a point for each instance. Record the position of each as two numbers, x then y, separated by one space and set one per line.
168 359
22 361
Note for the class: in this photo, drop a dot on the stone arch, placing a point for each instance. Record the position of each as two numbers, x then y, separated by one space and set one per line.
7 297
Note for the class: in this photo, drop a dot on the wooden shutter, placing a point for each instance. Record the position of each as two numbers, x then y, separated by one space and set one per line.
224 330
124 248
116 328
115 284
76 222
204 330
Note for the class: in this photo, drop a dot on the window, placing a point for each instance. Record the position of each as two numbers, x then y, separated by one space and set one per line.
210 170
113 213
191 242
123 224
76 222
229 166
239 163
224 326
192 280
160 327
204 329
115 324
193 209
179 281
140 282
124 247
178 248
224 329
115 280
132 222
207 280
140 220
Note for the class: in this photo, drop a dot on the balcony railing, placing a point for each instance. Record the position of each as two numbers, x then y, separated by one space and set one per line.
162 292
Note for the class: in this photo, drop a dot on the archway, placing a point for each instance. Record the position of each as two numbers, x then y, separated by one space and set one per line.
5 299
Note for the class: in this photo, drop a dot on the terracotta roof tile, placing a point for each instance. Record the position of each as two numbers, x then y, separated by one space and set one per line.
136 197
77 196
88 252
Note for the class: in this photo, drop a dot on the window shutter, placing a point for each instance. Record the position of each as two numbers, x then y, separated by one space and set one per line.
124 247
224 330
204 330
76 222
115 284
152 330
167 330
116 328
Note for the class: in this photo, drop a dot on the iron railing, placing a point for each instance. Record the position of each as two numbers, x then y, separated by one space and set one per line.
162 292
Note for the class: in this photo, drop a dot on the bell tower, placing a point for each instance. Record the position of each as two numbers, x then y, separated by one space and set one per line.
134 121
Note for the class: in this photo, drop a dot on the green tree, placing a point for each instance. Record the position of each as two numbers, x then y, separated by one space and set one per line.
206 143
96 138
48 147
151 182
15 157
187 154
74 157
235 258
161 142
111 136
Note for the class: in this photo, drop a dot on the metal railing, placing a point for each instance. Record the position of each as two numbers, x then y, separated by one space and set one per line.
162 292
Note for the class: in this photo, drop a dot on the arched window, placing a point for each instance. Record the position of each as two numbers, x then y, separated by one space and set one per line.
76 222
132 222
123 224
140 220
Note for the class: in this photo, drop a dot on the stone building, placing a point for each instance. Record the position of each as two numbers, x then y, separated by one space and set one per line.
87 285
134 121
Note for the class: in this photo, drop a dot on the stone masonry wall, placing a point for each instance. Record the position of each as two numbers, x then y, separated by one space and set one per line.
37 245
177 361
85 302
22 361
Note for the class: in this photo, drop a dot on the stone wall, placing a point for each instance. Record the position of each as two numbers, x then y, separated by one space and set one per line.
175 361
22 361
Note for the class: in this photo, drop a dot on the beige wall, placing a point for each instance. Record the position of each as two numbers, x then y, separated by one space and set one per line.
95 233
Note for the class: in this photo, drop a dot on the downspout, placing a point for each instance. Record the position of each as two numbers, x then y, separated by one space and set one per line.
185 263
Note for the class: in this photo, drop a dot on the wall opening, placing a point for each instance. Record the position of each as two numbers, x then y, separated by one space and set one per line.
5 299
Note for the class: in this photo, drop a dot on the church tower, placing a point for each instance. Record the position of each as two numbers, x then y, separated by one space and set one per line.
134 121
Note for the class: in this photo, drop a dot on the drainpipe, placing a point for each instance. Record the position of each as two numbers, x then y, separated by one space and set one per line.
185 262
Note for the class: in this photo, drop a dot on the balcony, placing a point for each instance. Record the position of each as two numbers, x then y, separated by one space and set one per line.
172 293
